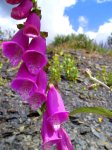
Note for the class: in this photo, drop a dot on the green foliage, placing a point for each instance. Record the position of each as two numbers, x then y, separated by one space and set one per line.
60 39
105 76
69 67
1 65
109 78
2 81
109 41
80 41
55 69
96 110
63 65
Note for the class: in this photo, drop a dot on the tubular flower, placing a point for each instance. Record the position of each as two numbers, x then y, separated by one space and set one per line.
22 11
65 143
49 136
24 83
32 25
55 107
35 57
13 2
41 81
15 48
36 99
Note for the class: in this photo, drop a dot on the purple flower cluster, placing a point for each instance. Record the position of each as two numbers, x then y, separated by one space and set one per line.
31 81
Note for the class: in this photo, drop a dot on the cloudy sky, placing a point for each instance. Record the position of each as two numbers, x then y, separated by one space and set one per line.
92 17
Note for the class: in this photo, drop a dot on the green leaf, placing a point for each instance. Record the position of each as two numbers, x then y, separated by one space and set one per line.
39 112
37 11
20 26
97 110
44 34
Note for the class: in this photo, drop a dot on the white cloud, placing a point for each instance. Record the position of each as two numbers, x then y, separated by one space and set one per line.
53 19
103 1
54 22
83 21
80 30
103 32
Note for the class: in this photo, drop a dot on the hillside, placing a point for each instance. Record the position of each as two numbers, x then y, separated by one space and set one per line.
20 126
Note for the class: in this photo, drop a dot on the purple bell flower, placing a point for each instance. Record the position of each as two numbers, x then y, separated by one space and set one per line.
35 57
55 107
14 1
22 10
39 96
24 83
65 142
49 135
41 81
32 25
15 48
36 100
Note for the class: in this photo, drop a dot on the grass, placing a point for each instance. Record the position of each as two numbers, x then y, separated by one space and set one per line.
105 76
77 42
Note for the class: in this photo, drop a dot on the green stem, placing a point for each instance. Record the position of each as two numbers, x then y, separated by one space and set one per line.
39 111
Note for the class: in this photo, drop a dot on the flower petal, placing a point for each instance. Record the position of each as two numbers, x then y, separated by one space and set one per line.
22 11
15 48
36 100
32 25
49 135
24 83
41 81
35 58
14 1
55 106
65 143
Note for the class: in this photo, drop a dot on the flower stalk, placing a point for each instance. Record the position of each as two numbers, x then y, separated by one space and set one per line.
31 80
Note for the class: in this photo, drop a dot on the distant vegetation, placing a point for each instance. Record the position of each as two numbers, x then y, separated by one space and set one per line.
80 41
6 34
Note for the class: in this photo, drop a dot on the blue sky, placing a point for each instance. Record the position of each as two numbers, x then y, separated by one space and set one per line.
95 13
91 17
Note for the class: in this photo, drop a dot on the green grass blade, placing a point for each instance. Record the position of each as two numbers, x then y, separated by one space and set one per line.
97 110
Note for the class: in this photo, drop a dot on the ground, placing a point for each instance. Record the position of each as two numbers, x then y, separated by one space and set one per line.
20 126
